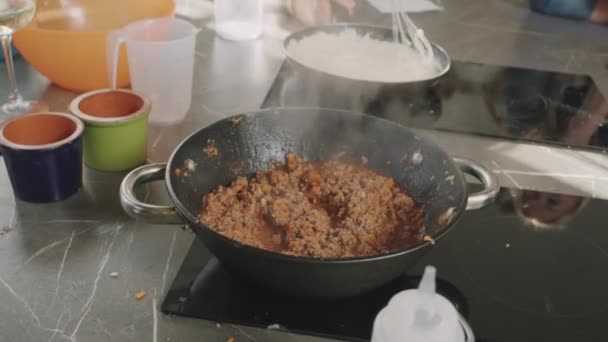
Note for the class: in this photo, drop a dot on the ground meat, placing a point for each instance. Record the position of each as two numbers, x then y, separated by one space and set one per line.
327 210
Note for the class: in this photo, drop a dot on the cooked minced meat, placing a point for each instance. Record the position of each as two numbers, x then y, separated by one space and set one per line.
326 210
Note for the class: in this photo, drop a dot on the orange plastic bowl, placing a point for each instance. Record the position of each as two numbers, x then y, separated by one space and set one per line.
66 41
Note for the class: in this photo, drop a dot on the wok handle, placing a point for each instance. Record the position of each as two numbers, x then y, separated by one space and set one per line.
150 213
488 179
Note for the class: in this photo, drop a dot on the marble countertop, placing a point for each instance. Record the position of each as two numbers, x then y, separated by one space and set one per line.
56 259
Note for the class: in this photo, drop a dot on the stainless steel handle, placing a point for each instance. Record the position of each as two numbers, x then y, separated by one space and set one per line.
150 213
488 179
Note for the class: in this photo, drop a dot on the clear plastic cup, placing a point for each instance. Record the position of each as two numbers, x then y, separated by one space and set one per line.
161 64
239 19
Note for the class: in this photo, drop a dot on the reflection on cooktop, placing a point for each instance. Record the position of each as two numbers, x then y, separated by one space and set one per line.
548 256
528 268
506 102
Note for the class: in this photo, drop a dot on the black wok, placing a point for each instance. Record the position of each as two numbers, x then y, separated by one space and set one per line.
247 143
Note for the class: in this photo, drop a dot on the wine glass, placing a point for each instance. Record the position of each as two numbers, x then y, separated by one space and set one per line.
14 15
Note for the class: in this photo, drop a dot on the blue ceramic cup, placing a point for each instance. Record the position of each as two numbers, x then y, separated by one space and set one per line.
43 155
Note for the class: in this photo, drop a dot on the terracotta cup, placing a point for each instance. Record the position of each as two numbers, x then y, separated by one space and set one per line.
43 155
116 133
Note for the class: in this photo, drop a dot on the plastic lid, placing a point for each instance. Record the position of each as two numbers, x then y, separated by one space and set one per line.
419 315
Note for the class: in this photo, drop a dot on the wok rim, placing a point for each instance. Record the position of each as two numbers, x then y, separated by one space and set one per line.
192 220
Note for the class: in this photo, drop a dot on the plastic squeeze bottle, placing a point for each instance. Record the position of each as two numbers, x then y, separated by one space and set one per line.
419 315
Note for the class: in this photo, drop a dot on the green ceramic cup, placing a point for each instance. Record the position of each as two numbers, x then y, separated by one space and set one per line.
116 135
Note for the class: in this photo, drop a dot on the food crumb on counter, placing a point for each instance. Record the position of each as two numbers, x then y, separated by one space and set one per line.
231 340
114 274
139 295
217 325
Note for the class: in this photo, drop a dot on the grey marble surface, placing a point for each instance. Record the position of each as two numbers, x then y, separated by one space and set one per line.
56 259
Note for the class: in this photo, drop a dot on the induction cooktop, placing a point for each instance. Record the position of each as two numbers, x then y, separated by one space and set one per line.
480 99
530 267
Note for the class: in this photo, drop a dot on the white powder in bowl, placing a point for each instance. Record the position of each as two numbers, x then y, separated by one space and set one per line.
351 55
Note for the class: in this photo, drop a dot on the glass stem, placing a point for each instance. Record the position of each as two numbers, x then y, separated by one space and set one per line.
13 92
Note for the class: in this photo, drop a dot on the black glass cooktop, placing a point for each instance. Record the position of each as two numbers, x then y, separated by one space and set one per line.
531 267
496 101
